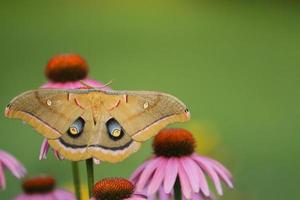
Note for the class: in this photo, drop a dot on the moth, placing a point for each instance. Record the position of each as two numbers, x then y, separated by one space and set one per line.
86 123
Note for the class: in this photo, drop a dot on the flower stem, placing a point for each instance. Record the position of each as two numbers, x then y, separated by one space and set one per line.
177 190
90 175
76 180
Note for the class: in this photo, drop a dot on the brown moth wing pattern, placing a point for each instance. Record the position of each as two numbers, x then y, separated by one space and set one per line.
143 114
47 112
140 115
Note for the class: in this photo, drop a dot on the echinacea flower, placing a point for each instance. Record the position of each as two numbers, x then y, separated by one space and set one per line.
116 189
9 162
43 187
176 162
67 71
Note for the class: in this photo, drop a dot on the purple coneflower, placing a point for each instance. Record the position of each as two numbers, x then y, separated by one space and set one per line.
116 189
175 165
67 71
43 187
9 162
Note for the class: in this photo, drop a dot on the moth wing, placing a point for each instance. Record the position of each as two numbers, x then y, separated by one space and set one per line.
143 114
48 111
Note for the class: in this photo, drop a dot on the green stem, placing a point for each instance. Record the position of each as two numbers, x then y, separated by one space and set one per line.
76 180
90 175
177 190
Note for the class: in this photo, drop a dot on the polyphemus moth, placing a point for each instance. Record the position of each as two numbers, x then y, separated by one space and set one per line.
85 123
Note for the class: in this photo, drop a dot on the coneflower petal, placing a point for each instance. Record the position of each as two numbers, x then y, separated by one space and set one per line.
170 178
146 174
158 177
221 167
2 178
13 165
191 170
162 195
211 172
203 183
138 172
184 182
222 173
62 195
44 149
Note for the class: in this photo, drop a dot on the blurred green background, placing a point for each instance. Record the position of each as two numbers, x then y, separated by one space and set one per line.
234 63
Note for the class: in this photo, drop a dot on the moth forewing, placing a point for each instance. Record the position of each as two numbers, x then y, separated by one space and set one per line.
107 125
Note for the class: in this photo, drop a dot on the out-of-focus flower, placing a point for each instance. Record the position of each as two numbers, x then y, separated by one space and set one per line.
84 192
176 162
9 162
116 189
43 187
67 71
162 195
206 136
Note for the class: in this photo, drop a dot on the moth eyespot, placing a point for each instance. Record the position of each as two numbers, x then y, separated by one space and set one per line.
73 131
76 128
114 129
49 102
146 105
116 132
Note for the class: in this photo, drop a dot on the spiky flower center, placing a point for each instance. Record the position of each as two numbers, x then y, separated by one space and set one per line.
113 189
42 184
66 67
174 142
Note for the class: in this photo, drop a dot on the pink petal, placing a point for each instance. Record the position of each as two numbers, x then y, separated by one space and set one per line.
135 198
162 194
12 164
134 177
96 84
158 177
34 197
139 194
2 178
146 174
171 175
184 182
221 167
222 173
210 171
191 170
44 149
152 197
60 194
74 85
203 183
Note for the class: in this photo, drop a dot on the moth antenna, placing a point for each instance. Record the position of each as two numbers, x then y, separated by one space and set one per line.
92 87
107 84
87 85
